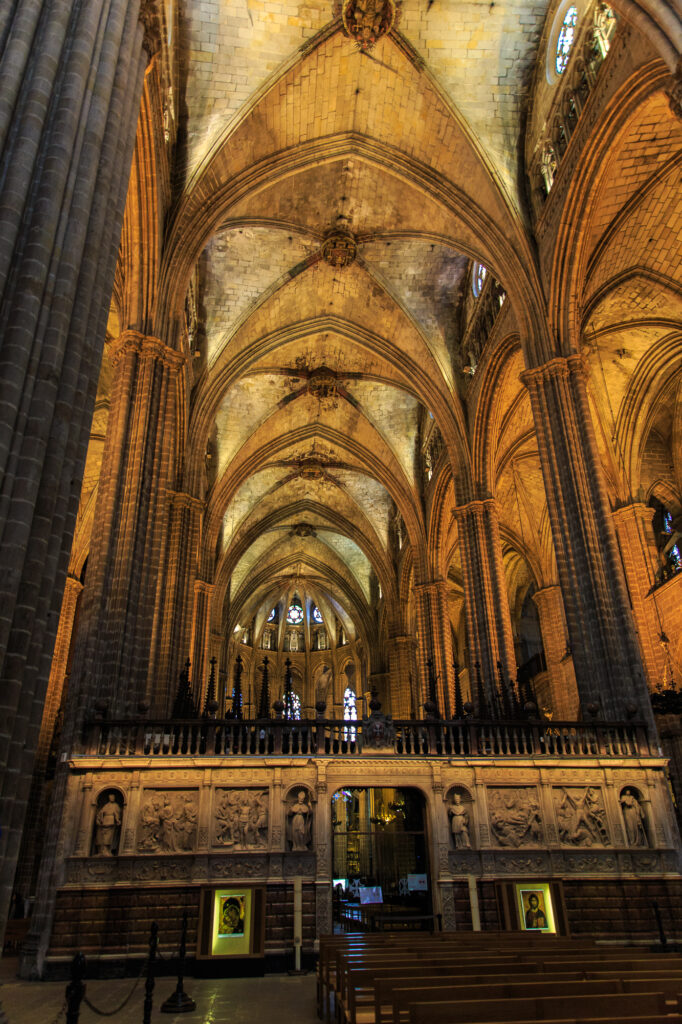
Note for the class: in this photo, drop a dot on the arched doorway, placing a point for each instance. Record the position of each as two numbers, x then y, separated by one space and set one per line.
380 862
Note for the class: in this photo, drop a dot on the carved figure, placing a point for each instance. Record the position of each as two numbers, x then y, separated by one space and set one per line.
633 816
107 823
581 817
301 816
515 816
378 731
168 823
242 819
459 823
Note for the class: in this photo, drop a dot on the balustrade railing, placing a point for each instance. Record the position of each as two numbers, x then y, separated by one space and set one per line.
227 738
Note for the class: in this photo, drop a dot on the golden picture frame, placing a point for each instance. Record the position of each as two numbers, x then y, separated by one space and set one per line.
231 922
535 907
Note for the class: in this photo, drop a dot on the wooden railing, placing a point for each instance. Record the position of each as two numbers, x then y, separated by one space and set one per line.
325 738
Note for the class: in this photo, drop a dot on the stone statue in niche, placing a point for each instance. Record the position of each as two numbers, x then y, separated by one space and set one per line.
515 816
108 824
168 822
459 814
581 816
633 816
242 819
299 821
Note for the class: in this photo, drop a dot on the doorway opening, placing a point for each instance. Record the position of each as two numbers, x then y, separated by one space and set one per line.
381 877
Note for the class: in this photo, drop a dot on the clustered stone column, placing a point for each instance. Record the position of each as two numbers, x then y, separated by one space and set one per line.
550 606
70 82
33 824
488 618
638 550
607 663
185 513
435 643
201 636
402 665
123 588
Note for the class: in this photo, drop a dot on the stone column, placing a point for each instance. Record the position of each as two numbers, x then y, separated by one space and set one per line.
555 642
435 643
33 825
111 660
174 648
486 602
638 550
402 664
607 663
70 83
201 635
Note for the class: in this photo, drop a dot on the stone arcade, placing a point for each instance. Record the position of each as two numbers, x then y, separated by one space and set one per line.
341 462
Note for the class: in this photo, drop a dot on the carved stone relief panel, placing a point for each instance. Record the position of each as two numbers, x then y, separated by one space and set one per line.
241 819
459 805
515 818
581 816
168 821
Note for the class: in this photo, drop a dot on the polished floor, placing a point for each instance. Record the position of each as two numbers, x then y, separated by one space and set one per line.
275 999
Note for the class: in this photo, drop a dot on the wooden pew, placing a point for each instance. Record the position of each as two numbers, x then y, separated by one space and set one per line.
612 1007
401 997
356 973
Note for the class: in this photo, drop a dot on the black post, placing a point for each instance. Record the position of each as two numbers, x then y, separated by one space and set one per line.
288 692
237 699
482 706
264 704
75 990
180 1002
459 703
149 983
659 922
506 702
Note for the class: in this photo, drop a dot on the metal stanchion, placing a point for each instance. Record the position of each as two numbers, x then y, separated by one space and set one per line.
75 990
149 983
180 1002
659 922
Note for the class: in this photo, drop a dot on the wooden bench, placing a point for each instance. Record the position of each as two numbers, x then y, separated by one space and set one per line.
614 1007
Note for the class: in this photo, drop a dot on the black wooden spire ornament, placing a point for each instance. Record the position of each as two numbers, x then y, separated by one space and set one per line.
184 702
211 704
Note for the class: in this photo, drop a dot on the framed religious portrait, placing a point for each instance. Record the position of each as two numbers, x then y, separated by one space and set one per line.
536 912
231 922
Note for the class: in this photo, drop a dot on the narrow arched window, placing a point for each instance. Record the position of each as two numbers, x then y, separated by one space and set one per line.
478 278
564 43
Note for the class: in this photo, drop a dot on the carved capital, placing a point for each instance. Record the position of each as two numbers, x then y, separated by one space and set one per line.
151 23
146 347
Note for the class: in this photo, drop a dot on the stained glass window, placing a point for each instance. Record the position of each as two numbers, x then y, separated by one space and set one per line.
350 711
478 278
566 39
317 614
295 613
271 616
292 707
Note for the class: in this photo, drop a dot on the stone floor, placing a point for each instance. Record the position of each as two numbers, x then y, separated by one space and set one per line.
275 999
